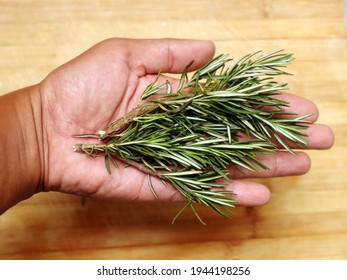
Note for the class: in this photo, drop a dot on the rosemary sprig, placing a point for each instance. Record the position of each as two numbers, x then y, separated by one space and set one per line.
222 116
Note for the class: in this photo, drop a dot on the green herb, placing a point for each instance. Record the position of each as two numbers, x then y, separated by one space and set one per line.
223 116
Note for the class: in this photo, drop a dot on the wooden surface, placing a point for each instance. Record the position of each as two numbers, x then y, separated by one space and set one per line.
307 216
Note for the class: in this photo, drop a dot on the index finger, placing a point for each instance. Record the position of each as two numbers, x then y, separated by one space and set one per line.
299 105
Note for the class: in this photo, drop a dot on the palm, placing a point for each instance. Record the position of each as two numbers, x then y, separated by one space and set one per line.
95 92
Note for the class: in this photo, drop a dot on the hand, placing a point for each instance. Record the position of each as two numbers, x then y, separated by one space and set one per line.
105 82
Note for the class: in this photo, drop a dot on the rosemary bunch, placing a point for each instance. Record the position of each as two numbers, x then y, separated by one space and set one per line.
220 117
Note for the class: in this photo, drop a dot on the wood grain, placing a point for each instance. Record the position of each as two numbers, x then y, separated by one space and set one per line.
307 216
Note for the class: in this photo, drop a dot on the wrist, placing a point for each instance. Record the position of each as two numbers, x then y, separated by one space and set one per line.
22 141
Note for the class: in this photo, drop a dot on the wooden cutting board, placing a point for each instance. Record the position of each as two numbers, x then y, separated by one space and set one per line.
307 216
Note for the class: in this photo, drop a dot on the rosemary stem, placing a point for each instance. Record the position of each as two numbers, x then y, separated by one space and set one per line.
94 149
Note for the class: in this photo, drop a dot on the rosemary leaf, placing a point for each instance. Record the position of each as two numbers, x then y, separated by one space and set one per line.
189 138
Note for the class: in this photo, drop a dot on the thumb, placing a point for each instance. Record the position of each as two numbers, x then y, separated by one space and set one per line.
166 55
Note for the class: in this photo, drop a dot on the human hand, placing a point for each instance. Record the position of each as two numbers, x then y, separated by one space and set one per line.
105 82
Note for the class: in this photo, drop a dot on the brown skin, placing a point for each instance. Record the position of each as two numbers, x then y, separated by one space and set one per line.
84 96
